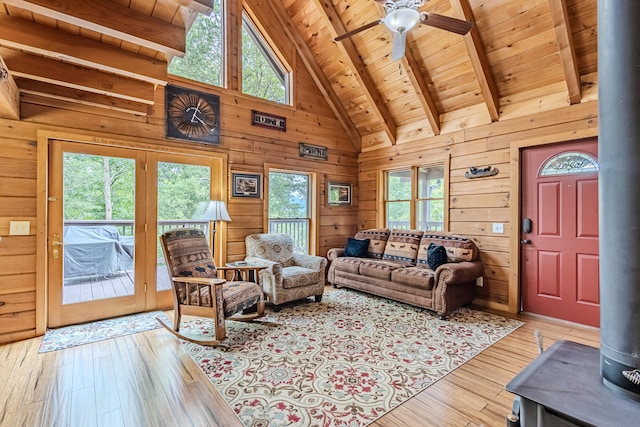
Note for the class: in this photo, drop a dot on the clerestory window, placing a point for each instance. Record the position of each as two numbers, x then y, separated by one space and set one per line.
203 60
263 74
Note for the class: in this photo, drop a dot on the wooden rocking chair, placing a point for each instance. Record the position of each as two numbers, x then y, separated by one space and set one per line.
199 291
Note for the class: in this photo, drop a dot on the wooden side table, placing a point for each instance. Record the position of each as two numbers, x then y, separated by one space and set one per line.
244 271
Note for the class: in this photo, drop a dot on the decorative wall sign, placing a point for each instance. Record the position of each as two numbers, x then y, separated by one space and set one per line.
476 172
270 121
314 151
246 184
192 115
338 194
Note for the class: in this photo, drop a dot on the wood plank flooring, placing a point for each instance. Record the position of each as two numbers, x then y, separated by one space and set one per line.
147 379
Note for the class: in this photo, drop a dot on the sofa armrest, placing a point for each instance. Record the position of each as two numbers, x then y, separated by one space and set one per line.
334 253
311 262
459 272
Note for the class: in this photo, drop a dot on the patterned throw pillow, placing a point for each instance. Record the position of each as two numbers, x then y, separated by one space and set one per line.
402 246
357 248
377 241
436 256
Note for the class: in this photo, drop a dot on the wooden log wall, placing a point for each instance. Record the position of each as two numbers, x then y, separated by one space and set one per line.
474 204
248 148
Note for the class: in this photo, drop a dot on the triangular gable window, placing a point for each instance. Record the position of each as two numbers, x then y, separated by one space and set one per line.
263 73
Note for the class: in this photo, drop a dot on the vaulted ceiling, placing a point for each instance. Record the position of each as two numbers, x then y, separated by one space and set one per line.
520 57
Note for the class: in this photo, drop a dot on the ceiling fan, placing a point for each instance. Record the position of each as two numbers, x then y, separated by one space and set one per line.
403 15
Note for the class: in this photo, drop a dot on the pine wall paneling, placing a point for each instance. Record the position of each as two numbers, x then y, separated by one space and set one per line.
474 204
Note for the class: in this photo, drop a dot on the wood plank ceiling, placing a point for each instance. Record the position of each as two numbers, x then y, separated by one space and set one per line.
521 56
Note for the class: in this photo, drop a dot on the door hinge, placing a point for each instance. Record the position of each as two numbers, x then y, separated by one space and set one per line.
146 167
145 228
145 287
52 199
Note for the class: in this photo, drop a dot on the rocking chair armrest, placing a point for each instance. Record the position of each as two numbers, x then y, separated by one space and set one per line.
200 280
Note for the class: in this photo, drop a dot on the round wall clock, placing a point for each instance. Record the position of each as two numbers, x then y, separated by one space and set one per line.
192 115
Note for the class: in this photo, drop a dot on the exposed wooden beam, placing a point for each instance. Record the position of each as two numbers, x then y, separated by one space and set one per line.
354 62
233 29
112 19
47 70
412 69
31 37
314 69
560 16
52 91
479 61
9 96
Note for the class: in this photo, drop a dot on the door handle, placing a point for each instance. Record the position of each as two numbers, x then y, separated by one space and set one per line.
55 246
525 242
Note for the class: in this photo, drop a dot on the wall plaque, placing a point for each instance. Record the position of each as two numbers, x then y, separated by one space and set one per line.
314 151
268 121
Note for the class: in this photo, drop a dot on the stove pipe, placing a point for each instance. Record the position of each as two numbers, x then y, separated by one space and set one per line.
619 193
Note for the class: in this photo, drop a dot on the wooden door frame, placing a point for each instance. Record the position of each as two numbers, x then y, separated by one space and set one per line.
516 148
42 160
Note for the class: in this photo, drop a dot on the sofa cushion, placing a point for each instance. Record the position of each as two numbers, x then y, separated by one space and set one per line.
414 276
348 264
436 256
459 248
402 246
357 248
379 269
295 276
377 241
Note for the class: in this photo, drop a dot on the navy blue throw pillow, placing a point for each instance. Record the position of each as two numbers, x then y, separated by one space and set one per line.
436 256
357 248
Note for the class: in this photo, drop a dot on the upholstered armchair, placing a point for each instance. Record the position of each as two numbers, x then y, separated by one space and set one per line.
289 276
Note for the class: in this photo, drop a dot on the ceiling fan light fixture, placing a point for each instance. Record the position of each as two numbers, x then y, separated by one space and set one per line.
402 20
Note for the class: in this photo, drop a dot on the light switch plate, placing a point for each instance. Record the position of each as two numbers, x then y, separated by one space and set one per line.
498 227
480 281
19 228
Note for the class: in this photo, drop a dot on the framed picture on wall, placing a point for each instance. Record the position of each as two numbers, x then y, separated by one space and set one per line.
244 184
339 194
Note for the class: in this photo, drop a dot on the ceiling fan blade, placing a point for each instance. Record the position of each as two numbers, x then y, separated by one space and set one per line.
357 30
399 44
454 25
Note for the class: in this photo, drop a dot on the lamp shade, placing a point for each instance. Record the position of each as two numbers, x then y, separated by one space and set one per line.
402 20
216 211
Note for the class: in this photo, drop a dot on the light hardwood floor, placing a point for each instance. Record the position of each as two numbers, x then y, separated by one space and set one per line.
147 379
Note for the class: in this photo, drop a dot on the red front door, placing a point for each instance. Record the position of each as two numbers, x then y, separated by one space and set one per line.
559 243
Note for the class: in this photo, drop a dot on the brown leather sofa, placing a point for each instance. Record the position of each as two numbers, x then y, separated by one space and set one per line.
395 265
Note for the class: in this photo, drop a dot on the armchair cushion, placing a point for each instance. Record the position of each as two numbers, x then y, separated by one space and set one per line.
295 276
274 247
357 248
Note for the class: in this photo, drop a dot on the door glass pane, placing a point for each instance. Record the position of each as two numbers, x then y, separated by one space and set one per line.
183 193
289 195
99 209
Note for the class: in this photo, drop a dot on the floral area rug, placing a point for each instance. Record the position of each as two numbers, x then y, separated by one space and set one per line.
74 335
343 362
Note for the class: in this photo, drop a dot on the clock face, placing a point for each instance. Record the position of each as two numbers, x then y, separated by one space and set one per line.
192 115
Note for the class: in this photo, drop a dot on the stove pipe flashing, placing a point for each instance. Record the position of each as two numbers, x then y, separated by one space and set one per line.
619 193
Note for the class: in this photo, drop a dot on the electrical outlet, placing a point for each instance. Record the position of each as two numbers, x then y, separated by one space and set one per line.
19 228
480 281
498 227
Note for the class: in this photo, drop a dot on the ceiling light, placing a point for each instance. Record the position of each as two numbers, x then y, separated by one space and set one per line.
402 20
